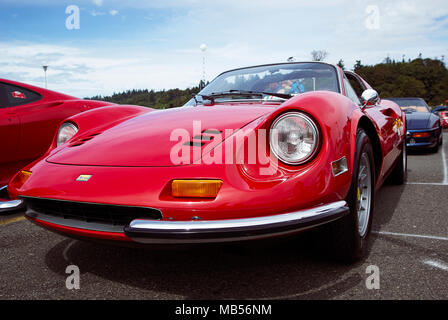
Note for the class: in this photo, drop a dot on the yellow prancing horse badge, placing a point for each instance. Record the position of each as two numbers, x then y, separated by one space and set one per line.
84 177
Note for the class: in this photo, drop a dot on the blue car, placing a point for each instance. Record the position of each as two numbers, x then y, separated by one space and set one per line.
424 130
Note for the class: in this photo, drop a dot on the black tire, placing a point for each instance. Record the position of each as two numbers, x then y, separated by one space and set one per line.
346 242
435 149
399 174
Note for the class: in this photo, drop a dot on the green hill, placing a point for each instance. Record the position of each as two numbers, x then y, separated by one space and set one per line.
155 99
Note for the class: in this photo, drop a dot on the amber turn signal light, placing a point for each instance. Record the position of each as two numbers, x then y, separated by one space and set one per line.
421 135
195 188
20 179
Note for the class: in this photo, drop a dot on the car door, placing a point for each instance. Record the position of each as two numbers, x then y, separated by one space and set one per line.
9 129
383 116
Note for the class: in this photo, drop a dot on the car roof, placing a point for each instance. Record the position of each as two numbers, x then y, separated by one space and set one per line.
40 90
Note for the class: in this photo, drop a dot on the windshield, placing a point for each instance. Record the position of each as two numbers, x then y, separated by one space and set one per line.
412 105
281 80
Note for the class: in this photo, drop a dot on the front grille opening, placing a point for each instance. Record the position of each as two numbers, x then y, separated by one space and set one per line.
90 212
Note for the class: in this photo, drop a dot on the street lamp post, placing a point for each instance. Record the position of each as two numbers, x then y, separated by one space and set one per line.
45 71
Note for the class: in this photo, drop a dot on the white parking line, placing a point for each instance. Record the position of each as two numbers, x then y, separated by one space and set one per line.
445 169
437 264
429 183
411 235
322 288
445 173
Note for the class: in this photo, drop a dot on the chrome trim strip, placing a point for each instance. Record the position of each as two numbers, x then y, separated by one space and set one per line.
164 231
195 225
10 205
340 77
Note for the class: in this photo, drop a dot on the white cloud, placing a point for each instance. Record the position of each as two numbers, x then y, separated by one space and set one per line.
98 3
97 13
87 72
113 12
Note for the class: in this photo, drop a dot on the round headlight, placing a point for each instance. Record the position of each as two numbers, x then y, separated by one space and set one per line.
294 138
66 132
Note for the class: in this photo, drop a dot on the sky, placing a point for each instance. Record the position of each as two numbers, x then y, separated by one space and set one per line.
155 44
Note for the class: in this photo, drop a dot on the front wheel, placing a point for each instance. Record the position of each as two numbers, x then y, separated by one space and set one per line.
435 149
349 235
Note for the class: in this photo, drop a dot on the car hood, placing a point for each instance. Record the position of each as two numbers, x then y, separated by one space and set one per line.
145 141
417 120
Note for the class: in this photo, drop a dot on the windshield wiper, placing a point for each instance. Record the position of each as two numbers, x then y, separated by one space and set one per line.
212 96
258 93
204 97
285 96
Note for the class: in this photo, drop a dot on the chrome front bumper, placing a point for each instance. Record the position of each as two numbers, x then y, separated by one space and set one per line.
200 231
9 205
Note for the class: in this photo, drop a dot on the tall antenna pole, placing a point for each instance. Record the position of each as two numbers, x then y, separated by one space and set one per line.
45 71
203 48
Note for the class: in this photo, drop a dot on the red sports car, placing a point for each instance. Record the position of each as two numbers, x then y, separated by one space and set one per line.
444 119
260 152
29 117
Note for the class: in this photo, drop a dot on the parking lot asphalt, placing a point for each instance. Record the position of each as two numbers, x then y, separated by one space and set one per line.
409 246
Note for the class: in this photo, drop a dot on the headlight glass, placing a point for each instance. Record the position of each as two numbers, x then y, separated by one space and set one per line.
294 138
66 132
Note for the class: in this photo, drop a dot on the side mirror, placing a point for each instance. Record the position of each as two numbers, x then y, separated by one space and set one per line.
370 98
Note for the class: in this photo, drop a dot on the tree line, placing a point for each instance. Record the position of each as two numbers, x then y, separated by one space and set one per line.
425 78
163 99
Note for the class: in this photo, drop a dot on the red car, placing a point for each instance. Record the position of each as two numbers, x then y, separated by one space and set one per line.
444 119
261 152
29 117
